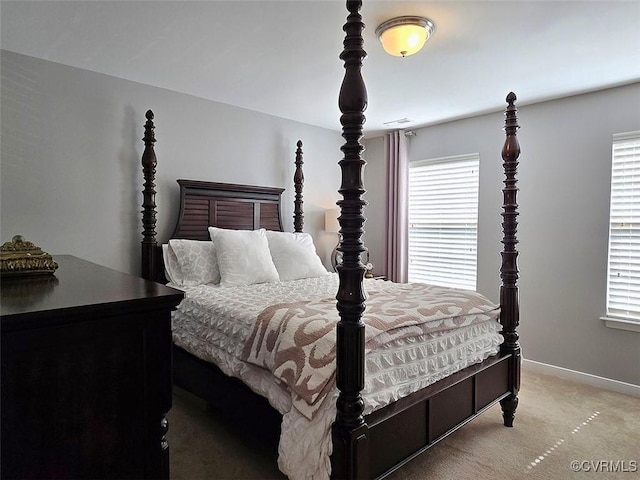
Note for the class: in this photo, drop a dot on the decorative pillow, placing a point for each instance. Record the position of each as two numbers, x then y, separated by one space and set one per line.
243 256
197 260
171 266
294 255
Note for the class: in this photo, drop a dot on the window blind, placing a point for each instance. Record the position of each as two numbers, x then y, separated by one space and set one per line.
443 221
623 286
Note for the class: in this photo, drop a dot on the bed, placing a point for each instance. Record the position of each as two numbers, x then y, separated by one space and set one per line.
363 440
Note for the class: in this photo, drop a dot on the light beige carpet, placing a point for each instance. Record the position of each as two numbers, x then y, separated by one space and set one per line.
561 426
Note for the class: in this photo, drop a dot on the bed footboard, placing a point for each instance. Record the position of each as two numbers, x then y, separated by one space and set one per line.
404 429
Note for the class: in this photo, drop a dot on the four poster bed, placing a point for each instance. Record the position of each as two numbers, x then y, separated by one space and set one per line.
367 426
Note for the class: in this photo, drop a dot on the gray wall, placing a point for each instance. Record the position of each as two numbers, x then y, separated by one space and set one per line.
71 148
71 180
564 178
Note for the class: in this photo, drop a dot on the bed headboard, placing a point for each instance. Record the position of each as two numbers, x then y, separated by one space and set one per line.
204 204
224 205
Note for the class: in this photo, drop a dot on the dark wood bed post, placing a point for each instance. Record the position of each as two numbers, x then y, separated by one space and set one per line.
350 432
510 312
298 183
149 163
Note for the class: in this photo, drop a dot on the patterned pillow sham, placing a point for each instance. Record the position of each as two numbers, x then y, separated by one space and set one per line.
197 261
171 266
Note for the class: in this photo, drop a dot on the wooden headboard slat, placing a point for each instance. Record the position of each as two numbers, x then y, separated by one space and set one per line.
231 214
269 216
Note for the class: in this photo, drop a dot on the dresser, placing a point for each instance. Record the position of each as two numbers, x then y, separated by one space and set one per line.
86 374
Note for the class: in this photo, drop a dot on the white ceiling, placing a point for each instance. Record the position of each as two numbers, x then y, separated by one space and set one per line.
281 57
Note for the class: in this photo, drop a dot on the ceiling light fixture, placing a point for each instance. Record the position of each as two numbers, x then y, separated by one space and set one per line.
404 36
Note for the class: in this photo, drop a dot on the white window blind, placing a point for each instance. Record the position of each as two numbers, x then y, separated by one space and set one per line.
623 288
443 221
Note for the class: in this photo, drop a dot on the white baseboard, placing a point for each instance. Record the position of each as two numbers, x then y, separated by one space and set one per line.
581 377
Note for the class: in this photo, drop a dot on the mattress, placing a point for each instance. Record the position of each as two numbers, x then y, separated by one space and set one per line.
214 323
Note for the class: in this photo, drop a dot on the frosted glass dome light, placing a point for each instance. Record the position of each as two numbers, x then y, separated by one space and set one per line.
404 36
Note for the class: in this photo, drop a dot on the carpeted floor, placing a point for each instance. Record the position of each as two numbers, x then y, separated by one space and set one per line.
560 426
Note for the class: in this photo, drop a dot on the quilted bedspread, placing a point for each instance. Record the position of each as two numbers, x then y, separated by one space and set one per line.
296 341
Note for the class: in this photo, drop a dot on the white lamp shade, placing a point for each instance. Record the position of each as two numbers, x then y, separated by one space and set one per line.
331 223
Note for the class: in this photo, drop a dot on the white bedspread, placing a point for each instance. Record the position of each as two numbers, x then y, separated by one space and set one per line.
213 323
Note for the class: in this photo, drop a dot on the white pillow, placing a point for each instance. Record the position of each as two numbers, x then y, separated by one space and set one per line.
171 266
294 255
197 260
243 256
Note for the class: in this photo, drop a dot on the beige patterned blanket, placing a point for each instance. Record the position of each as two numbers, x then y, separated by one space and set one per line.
297 341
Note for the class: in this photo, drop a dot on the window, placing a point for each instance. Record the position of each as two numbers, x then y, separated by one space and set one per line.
623 286
443 221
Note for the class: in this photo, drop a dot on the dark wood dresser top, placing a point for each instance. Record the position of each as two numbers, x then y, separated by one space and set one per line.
78 287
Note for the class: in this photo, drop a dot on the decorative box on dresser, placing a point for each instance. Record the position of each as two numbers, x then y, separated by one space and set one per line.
86 374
